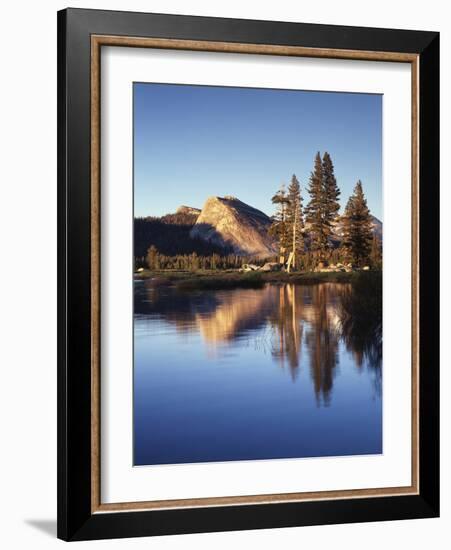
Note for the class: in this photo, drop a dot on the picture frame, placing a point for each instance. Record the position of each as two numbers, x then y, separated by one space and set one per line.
81 36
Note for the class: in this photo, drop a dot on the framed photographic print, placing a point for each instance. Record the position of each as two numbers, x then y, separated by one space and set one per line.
248 274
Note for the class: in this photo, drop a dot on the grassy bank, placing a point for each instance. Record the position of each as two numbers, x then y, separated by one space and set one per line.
221 282
215 280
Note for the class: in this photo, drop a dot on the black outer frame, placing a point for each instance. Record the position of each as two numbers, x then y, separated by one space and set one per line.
75 520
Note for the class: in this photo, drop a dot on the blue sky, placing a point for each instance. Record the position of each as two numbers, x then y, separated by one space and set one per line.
191 142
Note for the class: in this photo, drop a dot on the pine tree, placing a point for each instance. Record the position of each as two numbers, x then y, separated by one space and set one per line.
357 232
152 258
315 209
296 219
331 192
194 262
280 226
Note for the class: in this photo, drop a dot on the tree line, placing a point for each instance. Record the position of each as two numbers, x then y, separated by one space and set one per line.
358 245
170 234
156 261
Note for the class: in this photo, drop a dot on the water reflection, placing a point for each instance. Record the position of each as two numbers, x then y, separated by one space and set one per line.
322 340
288 321
277 372
361 325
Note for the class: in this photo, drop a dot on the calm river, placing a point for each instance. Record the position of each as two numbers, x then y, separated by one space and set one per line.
252 374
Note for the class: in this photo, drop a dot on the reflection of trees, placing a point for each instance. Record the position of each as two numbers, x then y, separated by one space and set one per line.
178 308
361 323
287 322
322 341
314 307
318 316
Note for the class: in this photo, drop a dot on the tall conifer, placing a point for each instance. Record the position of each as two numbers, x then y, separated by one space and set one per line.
315 209
357 231
280 225
153 259
331 192
296 219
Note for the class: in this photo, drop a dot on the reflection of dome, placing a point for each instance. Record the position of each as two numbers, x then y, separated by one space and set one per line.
239 310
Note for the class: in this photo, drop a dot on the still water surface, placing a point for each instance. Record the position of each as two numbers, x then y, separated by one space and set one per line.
252 374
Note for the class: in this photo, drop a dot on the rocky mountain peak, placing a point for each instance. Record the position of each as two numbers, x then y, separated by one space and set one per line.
229 222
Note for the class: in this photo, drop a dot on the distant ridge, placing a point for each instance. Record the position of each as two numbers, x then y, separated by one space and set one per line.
187 210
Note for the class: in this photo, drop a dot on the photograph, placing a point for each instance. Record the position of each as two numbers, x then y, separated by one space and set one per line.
248 273
257 276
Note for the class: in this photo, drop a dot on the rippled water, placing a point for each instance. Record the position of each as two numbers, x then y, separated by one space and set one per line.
252 374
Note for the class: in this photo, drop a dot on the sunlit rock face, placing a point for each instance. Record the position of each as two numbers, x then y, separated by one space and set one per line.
228 222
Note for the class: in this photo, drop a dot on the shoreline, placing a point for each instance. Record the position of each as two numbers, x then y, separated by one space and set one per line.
230 279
